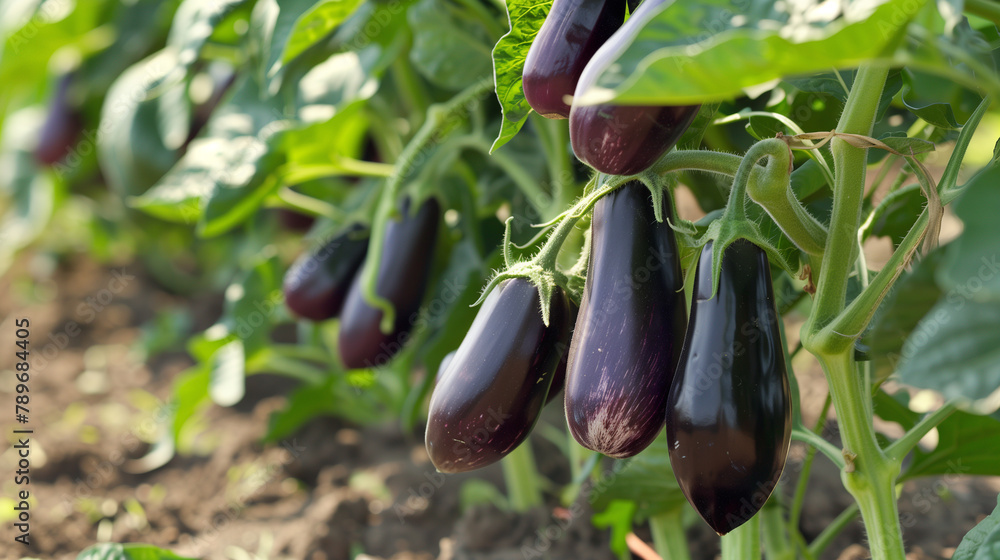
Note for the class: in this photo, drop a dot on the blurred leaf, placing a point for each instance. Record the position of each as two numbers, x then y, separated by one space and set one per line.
193 24
618 516
833 84
807 179
190 394
645 479
130 147
333 397
912 297
983 541
446 50
316 24
971 264
967 445
898 214
525 18
342 79
228 385
477 492
894 408
115 551
251 303
674 61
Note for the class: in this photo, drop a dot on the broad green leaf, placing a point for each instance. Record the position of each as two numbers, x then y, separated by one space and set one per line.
342 79
983 541
838 84
912 297
115 551
333 397
928 97
228 374
907 145
955 349
525 18
132 154
673 60
972 263
449 52
252 302
968 444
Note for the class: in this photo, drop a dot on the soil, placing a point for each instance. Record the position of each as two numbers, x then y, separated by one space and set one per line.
332 491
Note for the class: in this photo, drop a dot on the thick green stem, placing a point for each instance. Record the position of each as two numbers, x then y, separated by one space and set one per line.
850 164
668 535
869 476
701 160
521 478
743 543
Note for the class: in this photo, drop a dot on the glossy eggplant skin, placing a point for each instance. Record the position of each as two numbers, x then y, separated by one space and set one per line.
729 414
627 337
316 284
62 126
570 35
407 256
489 397
624 139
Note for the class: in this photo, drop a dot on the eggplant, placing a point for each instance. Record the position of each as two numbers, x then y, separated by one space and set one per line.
729 416
489 397
403 272
316 284
571 34
62 126
627 338
624 139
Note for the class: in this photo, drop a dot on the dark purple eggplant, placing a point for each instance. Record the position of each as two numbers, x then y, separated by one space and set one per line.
628 334
570 35
62 125
407 255
729 415
316 284
488 399
624 139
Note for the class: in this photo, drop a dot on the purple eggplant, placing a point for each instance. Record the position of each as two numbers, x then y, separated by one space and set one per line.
628 333
729 415
489 397
62 125
624 139
571 34
407 255
316 284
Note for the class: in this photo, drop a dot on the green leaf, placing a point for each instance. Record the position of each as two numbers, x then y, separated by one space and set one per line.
837 85
912 297
193 24
971 266
316 24
131 151
252 302
447 51
228 385
525 18
115 551
981 543
673 61
968 444
190 394
618 516
691 139
645 479
893 408
907 145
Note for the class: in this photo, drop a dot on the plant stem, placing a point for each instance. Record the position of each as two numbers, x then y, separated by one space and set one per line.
776 544
668 535
800 487
831 531
702 160
743 543
985 9
521 479
848 190
820 444
899 448
308 204
869 475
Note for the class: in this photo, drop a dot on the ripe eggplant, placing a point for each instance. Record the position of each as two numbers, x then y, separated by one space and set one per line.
489 397
570 35
62 125
729 415
624 139
407 255
316 284
628 333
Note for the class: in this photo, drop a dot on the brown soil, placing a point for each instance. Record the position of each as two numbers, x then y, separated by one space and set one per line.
333 491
